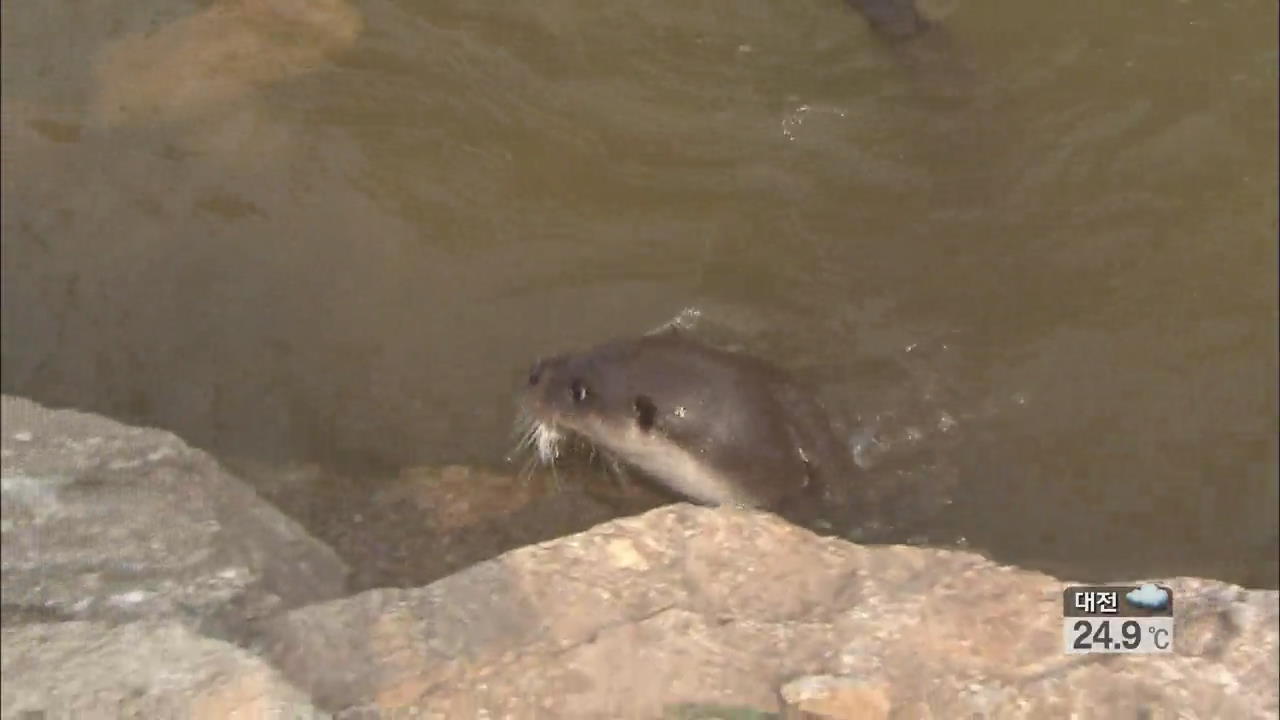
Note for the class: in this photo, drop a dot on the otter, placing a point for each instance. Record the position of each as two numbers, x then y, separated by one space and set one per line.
711 425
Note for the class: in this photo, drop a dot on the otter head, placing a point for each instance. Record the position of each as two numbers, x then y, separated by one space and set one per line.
595 397
702 422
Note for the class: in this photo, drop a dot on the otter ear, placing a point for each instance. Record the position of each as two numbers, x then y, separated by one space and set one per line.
646 412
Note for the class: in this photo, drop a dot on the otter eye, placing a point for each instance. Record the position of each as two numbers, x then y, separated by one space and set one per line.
646 412
578 391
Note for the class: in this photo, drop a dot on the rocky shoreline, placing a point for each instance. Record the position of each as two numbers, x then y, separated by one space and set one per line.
141 578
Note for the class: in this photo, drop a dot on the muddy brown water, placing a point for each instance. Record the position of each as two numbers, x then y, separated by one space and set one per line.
1035 270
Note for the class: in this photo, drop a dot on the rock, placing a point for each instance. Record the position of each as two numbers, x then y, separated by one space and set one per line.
684 607
101 521
456 497
142 670
825 697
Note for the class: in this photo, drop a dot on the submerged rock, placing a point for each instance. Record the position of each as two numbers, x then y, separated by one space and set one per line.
217 55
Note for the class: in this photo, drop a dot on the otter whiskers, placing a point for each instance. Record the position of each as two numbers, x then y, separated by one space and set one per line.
539 441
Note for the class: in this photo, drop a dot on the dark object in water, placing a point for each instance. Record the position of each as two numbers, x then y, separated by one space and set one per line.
894 19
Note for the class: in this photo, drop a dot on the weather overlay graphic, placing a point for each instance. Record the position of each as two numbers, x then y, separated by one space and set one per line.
1117 619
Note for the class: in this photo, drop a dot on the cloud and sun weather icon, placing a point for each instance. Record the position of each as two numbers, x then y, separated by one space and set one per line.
1148 596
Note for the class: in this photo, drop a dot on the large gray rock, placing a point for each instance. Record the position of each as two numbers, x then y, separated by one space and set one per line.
139 670
101 521
682 608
